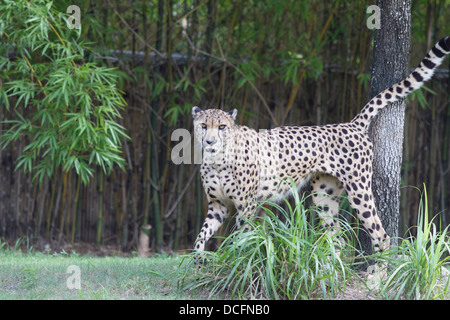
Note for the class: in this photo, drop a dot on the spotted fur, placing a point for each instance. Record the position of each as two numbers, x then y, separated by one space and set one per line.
241 165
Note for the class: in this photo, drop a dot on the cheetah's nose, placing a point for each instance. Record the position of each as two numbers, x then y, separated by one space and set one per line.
210 142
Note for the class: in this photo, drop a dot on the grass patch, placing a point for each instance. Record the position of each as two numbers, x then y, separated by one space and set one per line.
41 276
282 257
421 266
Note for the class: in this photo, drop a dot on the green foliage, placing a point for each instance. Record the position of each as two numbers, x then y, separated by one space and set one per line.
30 279
419 95
421 264
66 106
283 256
364 79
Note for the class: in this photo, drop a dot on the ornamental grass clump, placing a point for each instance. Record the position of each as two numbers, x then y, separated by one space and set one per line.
282 256
420 270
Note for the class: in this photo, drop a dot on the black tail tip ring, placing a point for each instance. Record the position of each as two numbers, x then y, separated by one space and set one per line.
445 43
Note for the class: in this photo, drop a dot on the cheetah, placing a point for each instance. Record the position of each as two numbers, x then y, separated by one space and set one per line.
241 166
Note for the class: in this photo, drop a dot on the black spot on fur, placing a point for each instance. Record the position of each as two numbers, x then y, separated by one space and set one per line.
445 43
428 63
438 52
417 76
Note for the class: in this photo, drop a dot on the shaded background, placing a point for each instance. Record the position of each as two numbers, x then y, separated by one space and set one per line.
277 62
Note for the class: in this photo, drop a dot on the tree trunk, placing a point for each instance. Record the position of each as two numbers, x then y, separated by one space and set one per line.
390 65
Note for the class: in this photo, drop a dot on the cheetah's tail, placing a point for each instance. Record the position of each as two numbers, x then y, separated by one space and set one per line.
414 81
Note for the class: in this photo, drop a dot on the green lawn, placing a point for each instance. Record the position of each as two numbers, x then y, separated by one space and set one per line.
44 276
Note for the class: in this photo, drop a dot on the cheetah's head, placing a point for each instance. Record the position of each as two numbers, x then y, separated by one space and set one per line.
213 128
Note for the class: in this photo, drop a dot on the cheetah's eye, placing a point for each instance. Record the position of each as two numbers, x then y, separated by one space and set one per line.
222 126
204 125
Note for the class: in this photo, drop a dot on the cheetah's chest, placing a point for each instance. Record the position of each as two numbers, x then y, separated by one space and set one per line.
219 183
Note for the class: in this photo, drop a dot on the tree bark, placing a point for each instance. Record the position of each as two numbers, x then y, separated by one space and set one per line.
390 65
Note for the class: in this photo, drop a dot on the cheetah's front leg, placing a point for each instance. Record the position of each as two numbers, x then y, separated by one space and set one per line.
243 215
217 212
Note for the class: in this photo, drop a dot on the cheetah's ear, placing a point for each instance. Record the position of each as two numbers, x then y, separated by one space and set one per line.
196 111
233 113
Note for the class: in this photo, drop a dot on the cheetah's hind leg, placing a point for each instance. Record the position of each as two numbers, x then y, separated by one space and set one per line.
326 191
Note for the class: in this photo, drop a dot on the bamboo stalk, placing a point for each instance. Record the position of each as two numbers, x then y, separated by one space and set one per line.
302 72
147 177
221 92
116 194
69 208
157 222
75 210
363 58
179 212
124 214
99 235
63 207
147 186
44 192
